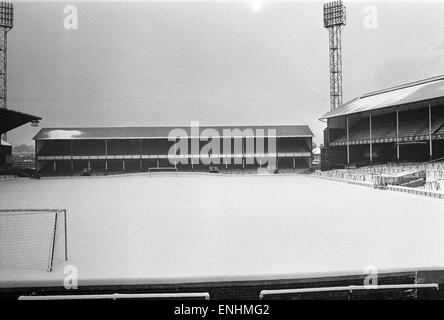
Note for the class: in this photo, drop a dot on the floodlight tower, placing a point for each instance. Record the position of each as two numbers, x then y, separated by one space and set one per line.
334 21
6 24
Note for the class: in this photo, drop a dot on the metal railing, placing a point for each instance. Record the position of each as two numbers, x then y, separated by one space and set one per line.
118 296
349 289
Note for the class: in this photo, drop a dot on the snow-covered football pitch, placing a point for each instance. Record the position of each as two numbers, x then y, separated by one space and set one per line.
135 228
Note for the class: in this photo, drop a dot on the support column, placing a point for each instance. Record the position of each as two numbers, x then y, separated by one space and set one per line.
348 143
106 155
244 158
36 155
430 132
140 153
294 164
397 134
175 156
123 165
54 166
371 145
72 161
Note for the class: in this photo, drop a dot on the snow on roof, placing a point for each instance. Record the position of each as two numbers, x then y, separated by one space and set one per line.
427 89
63 134
159 132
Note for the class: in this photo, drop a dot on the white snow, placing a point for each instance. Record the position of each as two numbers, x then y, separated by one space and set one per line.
63 134
155 229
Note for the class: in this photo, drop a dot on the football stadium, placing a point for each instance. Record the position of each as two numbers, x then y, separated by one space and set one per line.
231 212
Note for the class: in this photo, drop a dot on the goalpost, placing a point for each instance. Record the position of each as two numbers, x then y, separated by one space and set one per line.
32 239
163 170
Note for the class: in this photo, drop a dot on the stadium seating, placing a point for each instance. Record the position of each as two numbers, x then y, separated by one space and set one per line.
436 124
434 173
381 129
412 128
384 131
291 146
440 129
385 128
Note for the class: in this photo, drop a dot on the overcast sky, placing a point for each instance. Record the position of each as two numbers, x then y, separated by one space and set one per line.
220 63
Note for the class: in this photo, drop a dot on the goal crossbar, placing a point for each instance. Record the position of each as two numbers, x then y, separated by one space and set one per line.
163 170
5 212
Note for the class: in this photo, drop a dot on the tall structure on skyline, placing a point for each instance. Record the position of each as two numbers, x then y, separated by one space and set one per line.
6 24
334 21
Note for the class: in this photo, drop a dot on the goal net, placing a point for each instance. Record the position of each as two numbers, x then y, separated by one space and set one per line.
32 239
163 170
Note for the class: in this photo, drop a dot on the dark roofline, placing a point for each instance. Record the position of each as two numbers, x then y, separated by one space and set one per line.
234 126
31 116
11 119
309 132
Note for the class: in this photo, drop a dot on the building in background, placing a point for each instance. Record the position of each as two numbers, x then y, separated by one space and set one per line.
67 151
9 120
316 158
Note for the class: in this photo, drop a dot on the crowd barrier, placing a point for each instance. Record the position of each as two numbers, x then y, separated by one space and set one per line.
6 177
433 188
355 182
421 192
434 173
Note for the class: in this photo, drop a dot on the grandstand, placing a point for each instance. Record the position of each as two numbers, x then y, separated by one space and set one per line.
390 130
69 151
